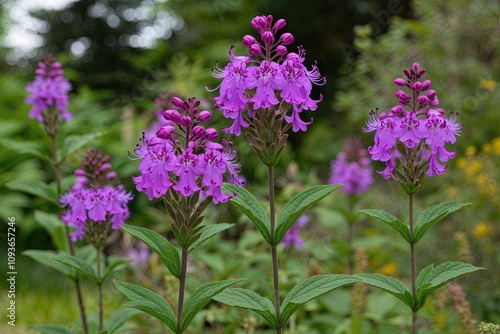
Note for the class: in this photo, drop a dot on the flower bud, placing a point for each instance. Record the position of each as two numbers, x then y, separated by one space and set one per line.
104 167
199 131
431 94
211 133
172 115
248 40
415 67
186 121
407 73
287 38
426 84
281 50
400 94
400 82
267 37
397 110
165 132
79 172
279 24
423 100
254 50
176 101
417 86
434 101
111 175
205 116
194 111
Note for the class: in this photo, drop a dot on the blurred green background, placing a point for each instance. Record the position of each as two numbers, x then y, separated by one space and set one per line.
120 55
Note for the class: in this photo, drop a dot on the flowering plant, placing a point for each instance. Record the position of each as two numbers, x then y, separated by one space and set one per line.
411 140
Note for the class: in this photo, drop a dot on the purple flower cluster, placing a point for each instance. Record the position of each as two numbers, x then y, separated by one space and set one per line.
183 156
92 199
352 167
414 132
292 237
270 77
49 90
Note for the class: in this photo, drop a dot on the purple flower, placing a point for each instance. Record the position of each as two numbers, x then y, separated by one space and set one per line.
422 129
292 237
48 90
183 157
95 201
138 254
268 78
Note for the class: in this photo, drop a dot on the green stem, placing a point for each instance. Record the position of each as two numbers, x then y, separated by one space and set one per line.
182 287
413 267
274 253
58 176
99 289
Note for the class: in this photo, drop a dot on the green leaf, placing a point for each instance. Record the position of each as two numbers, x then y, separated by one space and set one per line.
432 278
26 147
250 206
77 264
249 300
432 215
388 284
149 302
202 297
297 205
52 329
34 187
118 318
207 232
391 220
55 228
45 257
158 244
73 143
115 264
311 288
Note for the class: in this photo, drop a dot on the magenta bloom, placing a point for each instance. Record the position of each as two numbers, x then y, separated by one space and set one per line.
421 129
352 167
93 199
269 77
183 156
49 90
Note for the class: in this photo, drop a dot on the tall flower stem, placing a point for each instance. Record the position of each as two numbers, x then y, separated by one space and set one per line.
413 261
182 286
274 254
56 164
99 288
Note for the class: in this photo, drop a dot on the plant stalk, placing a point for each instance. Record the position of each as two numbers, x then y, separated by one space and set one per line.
274 253
182 287
413 267
58 176
99 289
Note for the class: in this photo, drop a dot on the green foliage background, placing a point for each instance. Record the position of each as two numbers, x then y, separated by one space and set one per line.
360 47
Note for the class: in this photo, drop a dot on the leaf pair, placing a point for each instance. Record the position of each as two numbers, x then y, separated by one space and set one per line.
428 280
424 221
155 305
309 289
292 210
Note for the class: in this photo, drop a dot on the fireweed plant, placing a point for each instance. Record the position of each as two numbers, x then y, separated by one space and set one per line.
184 165
95 207
264 93
411 139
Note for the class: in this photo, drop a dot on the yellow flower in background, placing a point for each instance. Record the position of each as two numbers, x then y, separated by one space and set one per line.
488 84
470 150
481 230
389 269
